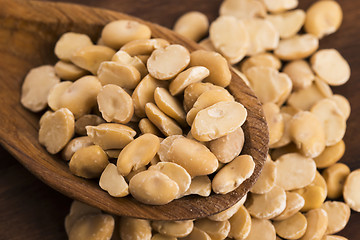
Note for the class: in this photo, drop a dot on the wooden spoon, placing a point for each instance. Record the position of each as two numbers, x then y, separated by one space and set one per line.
28 33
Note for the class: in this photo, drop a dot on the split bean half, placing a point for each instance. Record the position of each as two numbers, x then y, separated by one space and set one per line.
88 162
192 25
233 174
117 33
218 120
113 182
69 43
115 104
351 190
55 139
138 153
37 86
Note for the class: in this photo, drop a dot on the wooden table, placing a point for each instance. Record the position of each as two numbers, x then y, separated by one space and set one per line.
31 210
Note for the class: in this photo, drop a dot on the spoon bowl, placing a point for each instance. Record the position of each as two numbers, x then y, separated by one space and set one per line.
28 33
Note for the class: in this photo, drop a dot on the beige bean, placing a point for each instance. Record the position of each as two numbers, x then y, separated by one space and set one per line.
37 86
323 18
242 9
304 99
332 119
197 159
115 104
207 44
187 77
193 91
197 234
55 93
90 57
297 47
261 229
159 236
285 138
219 70
165 146
330 66
233 174
215 229
111 135
338 215
144 46
144 93
132 228
313 195
206 100
268 90
293 227
274 121
176 173
262 36
319 180
138 153
294 171
330 155
276 6
307 132
294 202
74 145
55 138
166 63
153 187
117 33
164 123
173 228
285 87
240 224
317 221
87 120
228 147
123 75
351 190
267 179
267 205
223 32
343 104
113 182
300 74
170 105
68 71
200 185
88 162
80 97
228 213
335 177
69 43
146 126
333 237
123 57
77 210
262 59
93 227
218 120
288 23
192 25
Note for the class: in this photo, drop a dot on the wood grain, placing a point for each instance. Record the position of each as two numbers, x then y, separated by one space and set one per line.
33 29
31 210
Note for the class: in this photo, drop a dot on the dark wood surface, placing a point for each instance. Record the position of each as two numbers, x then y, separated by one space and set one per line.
31 210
